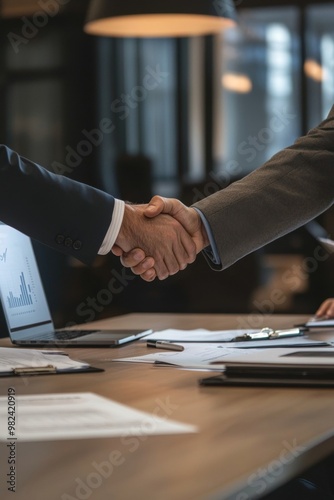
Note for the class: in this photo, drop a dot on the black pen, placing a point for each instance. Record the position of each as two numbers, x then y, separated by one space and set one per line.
164 344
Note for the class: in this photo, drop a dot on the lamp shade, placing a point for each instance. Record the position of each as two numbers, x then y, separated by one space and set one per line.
159 18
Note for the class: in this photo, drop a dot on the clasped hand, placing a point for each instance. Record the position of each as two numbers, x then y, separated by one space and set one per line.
159 239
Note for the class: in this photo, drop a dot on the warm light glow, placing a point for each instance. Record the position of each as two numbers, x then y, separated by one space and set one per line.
237 83
314 70
158 25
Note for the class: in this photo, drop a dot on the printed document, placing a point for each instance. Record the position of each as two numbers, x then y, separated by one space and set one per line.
46 417
193 356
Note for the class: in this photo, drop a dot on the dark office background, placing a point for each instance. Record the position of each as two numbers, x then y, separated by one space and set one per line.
186 135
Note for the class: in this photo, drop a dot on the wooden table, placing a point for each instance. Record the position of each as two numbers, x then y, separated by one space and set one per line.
250 440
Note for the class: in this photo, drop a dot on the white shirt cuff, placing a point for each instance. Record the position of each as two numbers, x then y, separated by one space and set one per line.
114 228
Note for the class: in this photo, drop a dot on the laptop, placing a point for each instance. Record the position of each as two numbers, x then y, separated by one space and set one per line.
25 305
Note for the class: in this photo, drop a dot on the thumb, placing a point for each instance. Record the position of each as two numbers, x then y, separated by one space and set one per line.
116 250
155 207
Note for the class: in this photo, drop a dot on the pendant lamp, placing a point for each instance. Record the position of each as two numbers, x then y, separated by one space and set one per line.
159 18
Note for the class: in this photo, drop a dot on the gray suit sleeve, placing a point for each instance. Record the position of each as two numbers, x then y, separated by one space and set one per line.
66 215
293 187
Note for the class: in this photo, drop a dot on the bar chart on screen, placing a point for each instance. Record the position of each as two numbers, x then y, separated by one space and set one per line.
21 292
24 299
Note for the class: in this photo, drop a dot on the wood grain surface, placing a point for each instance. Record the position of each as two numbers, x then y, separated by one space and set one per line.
250 440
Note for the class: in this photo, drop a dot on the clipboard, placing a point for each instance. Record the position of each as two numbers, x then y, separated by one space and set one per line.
47 370
16 362
269 381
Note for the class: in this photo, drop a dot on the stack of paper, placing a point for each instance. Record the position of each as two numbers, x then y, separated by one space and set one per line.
200 349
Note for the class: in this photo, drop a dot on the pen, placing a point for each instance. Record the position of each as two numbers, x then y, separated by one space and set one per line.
164 344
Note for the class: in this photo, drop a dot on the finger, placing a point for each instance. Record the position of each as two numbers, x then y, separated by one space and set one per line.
158 205
164 268
132 258
168 266
155 207
320 312
184 252
116 250
190 249
183 246
187 217
141 268
328 309
170 206
181 250
323 309
149 275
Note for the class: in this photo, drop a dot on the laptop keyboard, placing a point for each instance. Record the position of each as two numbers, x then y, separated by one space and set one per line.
68 334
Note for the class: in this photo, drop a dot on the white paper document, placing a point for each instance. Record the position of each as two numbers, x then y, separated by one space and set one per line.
12 358
307 358
201 355
193 356
198 335
46 417
227 336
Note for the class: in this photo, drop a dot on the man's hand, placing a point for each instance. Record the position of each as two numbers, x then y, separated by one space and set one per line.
136 258
326 310
162 238
187 217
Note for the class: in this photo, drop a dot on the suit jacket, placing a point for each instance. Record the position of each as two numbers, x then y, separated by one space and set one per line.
293 187
64 214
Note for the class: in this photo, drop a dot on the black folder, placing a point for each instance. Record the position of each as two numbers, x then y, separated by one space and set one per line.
273 376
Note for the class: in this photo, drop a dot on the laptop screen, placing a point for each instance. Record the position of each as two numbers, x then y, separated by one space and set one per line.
21 291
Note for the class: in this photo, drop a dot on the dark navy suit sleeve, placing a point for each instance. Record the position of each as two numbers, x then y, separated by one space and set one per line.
66 215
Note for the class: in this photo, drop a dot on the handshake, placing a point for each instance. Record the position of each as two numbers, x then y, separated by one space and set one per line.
159 239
